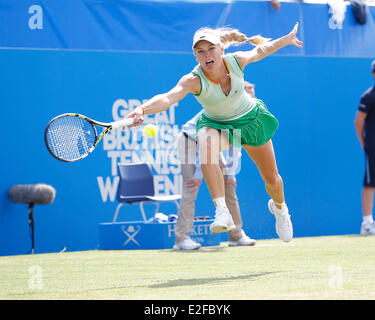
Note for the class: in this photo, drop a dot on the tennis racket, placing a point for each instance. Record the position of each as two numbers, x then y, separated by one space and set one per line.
70 137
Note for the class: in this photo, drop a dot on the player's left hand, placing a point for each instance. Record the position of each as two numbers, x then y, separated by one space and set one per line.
293 40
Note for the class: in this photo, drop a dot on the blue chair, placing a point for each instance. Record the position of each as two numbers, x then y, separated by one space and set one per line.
136 186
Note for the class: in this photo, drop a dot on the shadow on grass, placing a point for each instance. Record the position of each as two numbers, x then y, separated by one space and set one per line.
200 250
201 281
168 284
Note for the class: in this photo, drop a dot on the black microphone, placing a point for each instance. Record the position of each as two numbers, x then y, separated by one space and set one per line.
32 194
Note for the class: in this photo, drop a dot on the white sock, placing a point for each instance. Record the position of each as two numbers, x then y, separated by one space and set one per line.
220 202
283 204
367 219
283 207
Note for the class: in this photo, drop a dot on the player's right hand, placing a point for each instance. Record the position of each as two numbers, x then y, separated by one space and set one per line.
137 116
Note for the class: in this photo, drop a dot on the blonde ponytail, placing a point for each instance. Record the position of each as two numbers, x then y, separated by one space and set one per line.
230 37
258 40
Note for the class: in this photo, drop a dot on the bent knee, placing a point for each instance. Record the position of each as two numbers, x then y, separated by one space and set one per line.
273 179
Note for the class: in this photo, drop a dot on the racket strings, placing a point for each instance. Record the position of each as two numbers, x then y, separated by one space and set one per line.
70 137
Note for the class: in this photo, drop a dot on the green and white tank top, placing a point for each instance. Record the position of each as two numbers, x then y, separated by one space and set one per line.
217 106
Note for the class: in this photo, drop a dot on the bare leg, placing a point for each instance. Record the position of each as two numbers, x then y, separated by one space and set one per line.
214 180
368 225
211 142
264 158
210 145
367 200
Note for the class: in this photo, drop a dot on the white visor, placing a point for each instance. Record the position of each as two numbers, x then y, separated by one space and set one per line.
207 35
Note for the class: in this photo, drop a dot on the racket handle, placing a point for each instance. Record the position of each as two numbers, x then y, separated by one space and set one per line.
122 123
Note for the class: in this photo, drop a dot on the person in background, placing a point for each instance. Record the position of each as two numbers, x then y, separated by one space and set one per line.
276 4
191 180
365 128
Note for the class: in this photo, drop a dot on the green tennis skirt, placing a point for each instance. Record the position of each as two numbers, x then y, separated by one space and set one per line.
254 128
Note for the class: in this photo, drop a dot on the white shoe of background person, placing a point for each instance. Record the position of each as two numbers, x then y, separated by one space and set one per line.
187 244
244 241
223 221
284 227
368 229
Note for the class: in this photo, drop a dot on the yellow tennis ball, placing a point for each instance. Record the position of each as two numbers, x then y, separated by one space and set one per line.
150 130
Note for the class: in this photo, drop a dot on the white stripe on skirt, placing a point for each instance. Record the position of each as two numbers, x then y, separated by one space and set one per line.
367 170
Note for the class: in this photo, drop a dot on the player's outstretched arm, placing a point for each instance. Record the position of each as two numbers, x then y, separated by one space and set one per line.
161 102
264 50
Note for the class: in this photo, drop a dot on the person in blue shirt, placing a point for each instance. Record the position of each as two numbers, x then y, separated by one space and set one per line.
365 128
192 180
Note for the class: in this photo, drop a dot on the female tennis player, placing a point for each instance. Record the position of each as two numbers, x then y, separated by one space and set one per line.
230 116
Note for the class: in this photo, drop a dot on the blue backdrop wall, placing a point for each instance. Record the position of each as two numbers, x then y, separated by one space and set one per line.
102 58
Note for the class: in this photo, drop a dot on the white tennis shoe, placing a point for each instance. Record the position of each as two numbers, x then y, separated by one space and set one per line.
244 241
368 229
223 221
187 244
284 227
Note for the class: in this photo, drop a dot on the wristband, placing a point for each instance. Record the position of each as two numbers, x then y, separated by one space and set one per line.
143 110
